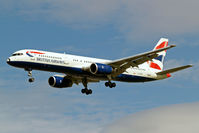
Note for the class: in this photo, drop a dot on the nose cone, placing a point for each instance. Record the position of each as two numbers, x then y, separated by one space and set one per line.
12 62
8 61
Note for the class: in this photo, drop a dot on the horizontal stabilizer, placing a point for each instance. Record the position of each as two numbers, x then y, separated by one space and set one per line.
174 70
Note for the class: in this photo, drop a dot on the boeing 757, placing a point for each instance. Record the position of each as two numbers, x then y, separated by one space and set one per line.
74 69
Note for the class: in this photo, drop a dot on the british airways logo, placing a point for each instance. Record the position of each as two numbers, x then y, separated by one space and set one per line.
30 53
162 45
155 66
160 58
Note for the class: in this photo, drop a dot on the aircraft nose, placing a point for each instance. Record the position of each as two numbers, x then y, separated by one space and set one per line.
8 60
11 61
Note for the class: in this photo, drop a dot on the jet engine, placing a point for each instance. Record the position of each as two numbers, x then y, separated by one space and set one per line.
60 81
97 68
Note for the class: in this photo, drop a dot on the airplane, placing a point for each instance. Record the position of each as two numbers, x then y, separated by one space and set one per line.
75 69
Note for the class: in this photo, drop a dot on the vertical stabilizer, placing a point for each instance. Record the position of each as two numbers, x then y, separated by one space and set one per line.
156 65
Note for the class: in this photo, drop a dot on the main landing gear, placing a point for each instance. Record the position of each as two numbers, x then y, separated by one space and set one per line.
110 84
31 79
86 90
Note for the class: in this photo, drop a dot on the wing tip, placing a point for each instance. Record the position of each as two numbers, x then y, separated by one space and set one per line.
190 65
173 45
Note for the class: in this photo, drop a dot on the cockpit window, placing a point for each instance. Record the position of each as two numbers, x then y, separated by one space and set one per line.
17 54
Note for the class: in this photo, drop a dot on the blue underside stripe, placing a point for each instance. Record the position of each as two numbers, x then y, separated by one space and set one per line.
77 71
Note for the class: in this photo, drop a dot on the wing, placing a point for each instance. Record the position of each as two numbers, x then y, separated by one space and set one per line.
121 65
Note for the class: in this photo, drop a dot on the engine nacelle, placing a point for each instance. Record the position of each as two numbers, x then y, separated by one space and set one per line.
60 82
97 68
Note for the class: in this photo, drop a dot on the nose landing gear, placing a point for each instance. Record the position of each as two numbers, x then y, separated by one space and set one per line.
31 79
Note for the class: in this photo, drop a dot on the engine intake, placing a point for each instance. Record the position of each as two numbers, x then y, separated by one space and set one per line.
97 68
60 82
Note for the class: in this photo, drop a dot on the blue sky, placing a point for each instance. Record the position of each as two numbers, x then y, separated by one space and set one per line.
105 29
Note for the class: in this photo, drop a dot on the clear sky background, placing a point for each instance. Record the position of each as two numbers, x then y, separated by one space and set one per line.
109 29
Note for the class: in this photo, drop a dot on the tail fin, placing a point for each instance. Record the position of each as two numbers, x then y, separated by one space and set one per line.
156 65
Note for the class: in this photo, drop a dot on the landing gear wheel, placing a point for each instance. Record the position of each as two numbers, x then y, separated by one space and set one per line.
109 84
31 80
90 91
83 91
86 91
113 84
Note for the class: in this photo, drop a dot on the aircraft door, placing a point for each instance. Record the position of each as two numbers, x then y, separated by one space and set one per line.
66 60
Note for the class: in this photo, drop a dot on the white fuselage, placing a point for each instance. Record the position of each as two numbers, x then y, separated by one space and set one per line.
74 66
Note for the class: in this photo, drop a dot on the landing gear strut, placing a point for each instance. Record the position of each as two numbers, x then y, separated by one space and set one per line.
86 90
110 84
31 79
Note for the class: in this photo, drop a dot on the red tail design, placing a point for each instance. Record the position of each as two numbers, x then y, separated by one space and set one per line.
154 65
162 45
